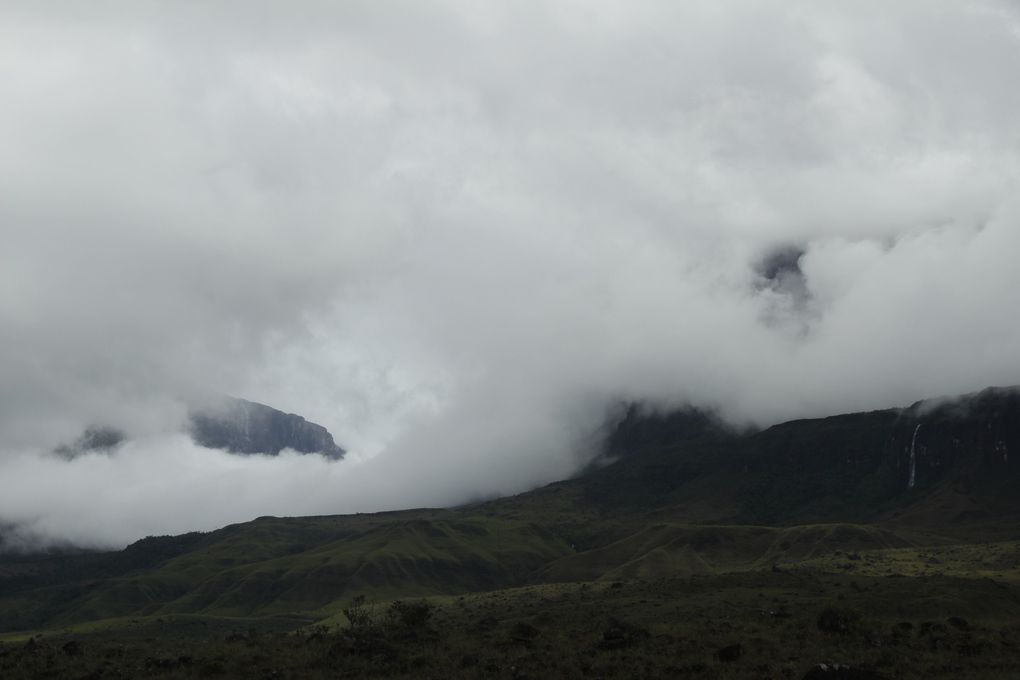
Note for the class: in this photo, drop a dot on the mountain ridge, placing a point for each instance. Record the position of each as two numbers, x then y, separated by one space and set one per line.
247 427
704 501
231 424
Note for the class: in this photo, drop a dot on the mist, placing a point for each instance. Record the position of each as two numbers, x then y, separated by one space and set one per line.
457 235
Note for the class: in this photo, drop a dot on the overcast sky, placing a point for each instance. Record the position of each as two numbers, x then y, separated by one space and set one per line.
456 232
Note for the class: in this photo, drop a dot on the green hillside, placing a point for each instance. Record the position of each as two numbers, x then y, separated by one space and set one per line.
688 532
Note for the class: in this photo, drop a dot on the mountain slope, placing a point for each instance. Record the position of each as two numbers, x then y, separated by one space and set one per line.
683 496
854 467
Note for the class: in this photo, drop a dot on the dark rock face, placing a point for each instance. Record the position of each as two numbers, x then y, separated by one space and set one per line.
241 426
848 467
879 459
93 439
977 435
235 425
641 429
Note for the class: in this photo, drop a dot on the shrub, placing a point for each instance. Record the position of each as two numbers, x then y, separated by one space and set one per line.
357 613
411 615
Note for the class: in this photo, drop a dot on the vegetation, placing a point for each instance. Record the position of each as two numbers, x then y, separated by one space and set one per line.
696 552
773 624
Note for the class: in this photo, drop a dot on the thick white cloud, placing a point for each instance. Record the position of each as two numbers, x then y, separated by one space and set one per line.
454 233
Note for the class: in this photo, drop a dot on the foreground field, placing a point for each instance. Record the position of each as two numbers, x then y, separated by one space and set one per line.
914 622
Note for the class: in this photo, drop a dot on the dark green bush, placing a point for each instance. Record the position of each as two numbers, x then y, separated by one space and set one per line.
411 615
357 613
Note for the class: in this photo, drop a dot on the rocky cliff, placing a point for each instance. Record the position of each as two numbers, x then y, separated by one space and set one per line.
847 467
246 427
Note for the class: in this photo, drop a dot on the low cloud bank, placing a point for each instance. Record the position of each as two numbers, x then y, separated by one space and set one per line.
456 235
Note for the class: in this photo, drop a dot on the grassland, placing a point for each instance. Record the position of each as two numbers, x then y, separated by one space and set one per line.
665 601
761 624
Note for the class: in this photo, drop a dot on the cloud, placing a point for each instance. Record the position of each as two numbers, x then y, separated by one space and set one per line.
454 234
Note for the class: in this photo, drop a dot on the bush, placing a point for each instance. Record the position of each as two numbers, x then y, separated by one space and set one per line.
411 615
357 613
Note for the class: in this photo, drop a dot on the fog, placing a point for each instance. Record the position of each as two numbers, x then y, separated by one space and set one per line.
457 234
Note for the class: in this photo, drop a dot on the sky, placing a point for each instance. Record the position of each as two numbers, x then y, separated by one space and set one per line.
459 233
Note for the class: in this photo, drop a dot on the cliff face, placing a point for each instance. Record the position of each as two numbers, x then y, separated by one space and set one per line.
242 426
235 425
848 467
977 435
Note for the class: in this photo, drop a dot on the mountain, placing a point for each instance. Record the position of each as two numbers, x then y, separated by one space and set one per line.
235 425
92 439
854 467
242 426
886 522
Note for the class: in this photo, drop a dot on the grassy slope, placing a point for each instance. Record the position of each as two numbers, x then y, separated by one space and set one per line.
307 568
656 629
282 566
515 597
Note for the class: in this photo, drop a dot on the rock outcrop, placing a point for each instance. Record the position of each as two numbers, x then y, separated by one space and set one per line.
246 427
235 425
960 453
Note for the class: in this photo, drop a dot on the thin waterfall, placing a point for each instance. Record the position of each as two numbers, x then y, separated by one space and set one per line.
913 459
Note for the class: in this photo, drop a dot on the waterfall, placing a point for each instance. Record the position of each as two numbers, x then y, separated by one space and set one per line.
913 459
